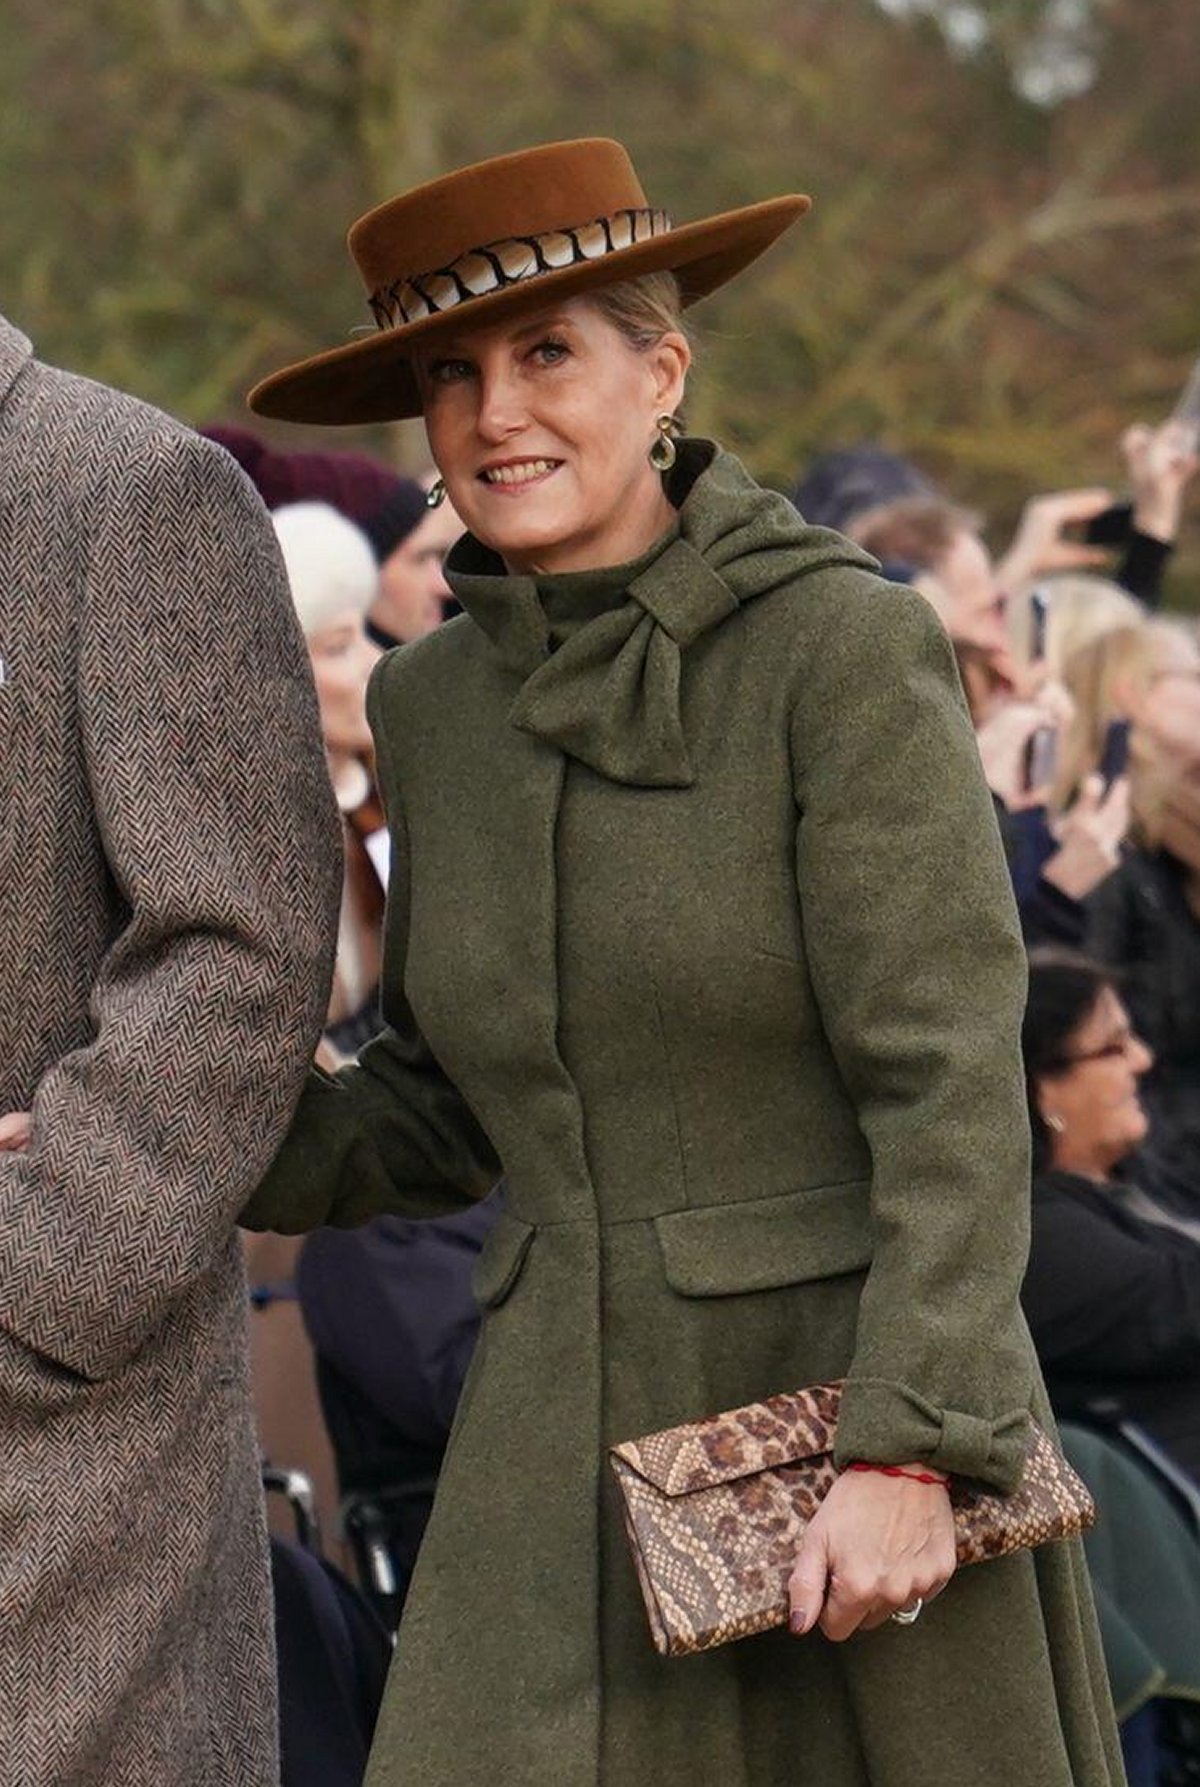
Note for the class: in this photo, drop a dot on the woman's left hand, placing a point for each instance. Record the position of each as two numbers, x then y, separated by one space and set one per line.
15 1129
876 1545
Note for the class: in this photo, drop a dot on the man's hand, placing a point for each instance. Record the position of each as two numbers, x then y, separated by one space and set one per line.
1161 463
14 1132
1041 545
876 1545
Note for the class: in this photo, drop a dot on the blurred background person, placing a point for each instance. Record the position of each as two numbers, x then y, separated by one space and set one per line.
334 580
333 576
1057 862
1112 1292
1076 529
1145 918
355 484
1079 607
410 539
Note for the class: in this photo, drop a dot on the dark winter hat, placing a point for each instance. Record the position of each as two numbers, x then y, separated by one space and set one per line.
840 485
352 483
396 518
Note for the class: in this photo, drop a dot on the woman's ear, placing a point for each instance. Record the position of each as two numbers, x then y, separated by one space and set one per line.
670 358
1044 1100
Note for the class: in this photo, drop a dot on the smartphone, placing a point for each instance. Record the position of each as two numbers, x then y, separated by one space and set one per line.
1039 613
1111 527
1114 758
1041 758
1188 408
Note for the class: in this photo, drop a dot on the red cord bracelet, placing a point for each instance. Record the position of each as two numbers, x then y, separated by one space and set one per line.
894 1470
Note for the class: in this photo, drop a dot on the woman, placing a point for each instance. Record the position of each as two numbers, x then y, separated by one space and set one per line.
1113 1287
1080 609
704 934
1145 919
334 579
1146 673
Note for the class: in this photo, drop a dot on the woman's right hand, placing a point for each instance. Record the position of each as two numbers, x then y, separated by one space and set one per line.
1003 742
876 1545
1090 836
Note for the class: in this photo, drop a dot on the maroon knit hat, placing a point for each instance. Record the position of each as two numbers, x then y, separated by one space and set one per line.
354 484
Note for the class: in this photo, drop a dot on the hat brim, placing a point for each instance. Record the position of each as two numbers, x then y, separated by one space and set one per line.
372 380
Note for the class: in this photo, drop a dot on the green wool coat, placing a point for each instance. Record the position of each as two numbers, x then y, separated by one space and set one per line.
700 930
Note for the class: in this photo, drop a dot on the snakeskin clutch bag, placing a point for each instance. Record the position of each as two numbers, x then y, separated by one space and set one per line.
714 1512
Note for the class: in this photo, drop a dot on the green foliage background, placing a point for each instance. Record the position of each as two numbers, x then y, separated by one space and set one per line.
998 287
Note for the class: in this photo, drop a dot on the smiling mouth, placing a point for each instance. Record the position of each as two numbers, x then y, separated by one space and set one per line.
517 474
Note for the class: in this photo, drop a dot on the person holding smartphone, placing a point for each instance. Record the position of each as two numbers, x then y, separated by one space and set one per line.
1145 920
1055 867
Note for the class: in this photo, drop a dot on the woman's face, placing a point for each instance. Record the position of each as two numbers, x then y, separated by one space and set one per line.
1093 1104
412 587
540 429
342 659
1170 709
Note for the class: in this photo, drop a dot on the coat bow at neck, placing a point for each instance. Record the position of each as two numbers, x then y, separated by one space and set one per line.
610 694
601 653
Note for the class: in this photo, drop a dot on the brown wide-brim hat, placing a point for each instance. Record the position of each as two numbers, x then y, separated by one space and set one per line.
490 241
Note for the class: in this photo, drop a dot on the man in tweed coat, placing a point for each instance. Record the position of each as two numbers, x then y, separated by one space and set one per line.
168 889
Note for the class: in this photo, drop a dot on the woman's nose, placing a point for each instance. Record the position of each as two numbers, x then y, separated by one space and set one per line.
1141 1056
501 410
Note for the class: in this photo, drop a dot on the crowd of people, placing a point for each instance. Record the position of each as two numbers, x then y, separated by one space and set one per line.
652 1044
1064 647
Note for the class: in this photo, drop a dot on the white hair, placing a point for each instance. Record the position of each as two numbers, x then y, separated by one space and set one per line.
330 565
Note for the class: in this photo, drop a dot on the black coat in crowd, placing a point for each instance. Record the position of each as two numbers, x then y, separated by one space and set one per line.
1140 922
1113 1301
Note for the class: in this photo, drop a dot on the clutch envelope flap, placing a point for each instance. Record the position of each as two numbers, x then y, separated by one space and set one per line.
738 1443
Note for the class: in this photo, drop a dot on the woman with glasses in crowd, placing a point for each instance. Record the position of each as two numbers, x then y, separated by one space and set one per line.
1113 1287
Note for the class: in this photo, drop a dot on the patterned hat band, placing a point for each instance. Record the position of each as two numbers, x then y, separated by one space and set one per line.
512 261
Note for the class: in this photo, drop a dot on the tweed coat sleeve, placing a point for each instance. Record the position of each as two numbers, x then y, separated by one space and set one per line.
916 958
208 784
392 1133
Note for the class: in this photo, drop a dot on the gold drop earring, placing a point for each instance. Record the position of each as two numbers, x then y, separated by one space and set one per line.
662 454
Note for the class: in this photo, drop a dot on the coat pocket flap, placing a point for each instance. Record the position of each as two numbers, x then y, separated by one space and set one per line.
768 1242
739 1443
499 1264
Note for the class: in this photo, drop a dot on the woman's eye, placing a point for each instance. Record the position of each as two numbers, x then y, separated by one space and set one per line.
449 372
551 352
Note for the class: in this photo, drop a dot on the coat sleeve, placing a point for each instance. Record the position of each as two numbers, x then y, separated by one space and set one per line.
915 955
199 736
391 1134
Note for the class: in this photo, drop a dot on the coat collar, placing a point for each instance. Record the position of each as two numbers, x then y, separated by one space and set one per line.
610 694
16 351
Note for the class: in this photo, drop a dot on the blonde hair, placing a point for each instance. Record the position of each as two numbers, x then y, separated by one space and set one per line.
1081 609
1094 674
643 309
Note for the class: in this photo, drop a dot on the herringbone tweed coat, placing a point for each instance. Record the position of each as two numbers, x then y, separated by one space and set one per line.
701 929
168 885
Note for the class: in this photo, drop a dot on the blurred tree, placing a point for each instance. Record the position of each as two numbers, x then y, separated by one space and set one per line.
999 275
